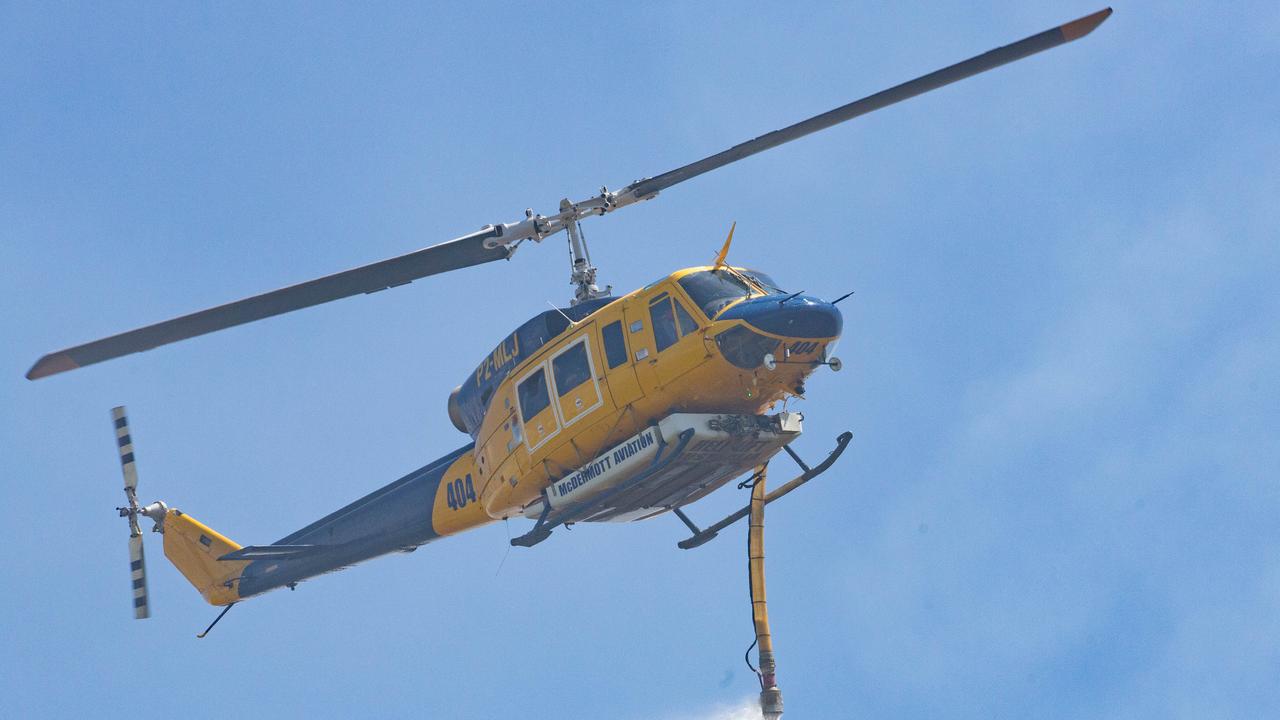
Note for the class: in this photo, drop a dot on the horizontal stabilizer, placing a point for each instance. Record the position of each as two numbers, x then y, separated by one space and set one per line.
254 552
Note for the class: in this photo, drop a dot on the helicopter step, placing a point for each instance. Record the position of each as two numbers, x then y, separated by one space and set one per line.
671 463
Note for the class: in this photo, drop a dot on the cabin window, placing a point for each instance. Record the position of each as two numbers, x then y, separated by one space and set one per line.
615 346
664 322
533 395
571 368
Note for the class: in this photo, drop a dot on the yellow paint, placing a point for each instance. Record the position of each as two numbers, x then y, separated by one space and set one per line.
770 696
577 403
194 549
689 376
540 421
724 251
755 563
467 511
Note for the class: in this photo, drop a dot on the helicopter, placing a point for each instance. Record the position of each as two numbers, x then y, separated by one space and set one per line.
610 409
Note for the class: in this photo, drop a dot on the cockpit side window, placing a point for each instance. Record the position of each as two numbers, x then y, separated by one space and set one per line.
712 290
534 397
684 319
669 325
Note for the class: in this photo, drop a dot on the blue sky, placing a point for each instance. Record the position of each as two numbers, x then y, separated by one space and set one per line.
1062 496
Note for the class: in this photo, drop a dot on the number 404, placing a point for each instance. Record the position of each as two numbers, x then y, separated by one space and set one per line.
460 492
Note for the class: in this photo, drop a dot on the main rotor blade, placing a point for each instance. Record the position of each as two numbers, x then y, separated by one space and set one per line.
452 255
934 80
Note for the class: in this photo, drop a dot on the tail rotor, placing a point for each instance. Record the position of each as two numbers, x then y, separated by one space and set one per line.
131 511
138 571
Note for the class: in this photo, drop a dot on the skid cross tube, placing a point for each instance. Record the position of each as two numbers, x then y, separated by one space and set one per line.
698 538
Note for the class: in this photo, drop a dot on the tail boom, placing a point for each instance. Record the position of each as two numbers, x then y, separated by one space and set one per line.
419 508
434 501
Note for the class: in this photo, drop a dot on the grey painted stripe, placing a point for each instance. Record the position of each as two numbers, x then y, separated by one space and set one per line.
126 458
140 602
122 422
135 565
123 440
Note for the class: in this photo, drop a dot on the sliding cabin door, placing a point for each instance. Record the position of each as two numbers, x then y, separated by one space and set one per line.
577 389
537 413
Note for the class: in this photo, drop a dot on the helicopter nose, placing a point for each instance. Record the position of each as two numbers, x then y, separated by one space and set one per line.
797 316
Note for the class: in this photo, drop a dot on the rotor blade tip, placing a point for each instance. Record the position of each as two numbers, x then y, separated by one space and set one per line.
1077 29
51 365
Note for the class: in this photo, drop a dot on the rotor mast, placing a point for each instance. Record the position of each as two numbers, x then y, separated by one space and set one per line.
582 274
536 227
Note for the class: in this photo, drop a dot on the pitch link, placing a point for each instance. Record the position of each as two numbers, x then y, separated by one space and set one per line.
538 227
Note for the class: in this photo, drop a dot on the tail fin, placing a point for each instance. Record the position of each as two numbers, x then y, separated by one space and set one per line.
194 549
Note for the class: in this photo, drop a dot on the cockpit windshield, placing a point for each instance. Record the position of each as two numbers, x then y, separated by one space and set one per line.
713 290
763 279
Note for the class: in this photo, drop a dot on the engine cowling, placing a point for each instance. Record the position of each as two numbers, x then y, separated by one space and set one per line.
455 412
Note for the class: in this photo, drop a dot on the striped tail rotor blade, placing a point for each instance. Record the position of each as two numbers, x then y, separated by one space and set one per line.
138 572
125 443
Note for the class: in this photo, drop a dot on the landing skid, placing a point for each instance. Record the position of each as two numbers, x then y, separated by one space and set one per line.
668 456
700 537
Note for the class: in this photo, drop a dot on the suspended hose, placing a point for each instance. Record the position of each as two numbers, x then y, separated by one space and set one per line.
770 695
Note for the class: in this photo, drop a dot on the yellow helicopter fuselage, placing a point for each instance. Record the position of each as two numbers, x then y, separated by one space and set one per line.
629 362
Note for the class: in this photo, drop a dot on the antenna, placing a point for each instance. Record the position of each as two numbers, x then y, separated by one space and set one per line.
571 321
